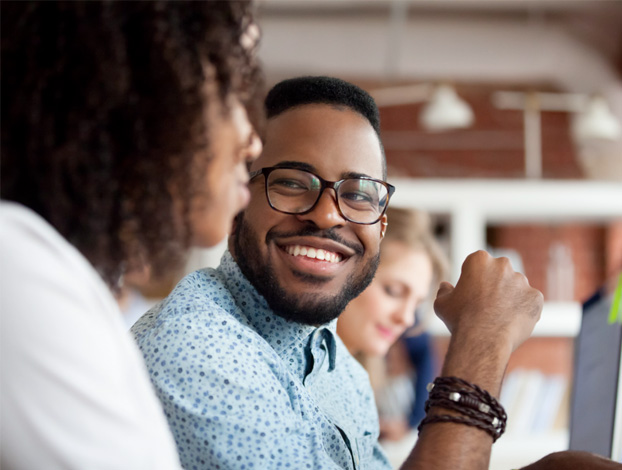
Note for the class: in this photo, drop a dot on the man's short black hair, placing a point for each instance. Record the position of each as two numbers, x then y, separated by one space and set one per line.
300 91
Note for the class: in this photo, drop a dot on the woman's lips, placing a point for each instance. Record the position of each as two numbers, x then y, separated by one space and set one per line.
387 333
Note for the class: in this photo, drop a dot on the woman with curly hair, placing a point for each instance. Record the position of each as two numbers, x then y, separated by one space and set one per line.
126 131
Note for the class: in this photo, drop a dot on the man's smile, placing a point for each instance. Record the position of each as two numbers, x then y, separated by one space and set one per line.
312 253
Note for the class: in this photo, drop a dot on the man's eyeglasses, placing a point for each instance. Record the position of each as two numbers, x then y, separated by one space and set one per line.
360 200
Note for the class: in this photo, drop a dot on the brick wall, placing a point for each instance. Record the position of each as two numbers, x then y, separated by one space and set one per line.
613 249
491 148
590 247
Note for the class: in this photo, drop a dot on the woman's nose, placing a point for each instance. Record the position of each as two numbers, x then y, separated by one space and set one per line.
405 315
254 148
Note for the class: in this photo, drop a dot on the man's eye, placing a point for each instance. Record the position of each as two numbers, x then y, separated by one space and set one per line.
289 184
357 197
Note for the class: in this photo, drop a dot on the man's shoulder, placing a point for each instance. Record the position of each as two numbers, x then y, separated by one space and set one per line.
357 378
201 297
348 365
199 329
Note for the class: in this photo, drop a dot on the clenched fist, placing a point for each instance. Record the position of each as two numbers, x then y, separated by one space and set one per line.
490 303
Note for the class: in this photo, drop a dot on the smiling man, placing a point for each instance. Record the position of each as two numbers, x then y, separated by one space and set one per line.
245 358
309 249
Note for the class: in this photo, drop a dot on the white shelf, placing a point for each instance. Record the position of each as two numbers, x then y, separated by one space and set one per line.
559 319
511 201
473 204
512 451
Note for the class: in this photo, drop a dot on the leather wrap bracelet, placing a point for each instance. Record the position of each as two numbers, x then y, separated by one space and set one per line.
477 407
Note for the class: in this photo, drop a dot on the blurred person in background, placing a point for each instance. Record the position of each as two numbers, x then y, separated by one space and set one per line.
412 264
126 132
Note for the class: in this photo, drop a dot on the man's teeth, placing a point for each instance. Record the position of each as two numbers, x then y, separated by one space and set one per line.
314 253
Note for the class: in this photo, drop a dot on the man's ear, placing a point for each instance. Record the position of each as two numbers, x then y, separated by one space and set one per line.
384 223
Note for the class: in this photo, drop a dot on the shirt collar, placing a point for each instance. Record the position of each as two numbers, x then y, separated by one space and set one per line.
287 338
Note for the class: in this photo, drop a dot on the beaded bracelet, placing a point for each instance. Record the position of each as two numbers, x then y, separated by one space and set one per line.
478 407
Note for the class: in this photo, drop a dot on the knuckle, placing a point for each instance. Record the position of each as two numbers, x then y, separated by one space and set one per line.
505 264
520 277
476 257
538 301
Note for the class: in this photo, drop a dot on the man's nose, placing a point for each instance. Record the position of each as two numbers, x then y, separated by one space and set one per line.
326 212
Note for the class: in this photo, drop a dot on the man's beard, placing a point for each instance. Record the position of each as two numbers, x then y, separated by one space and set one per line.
309 308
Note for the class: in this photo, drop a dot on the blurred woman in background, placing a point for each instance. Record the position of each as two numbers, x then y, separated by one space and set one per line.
412 264
126 131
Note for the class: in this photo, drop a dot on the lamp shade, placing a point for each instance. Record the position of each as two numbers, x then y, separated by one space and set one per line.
596 122
445 110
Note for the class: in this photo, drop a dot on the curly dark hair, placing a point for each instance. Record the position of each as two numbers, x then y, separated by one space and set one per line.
103 116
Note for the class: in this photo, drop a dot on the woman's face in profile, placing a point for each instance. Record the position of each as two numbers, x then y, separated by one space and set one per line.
233 143
373 321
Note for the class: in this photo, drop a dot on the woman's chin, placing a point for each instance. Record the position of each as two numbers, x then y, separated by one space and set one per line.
376 349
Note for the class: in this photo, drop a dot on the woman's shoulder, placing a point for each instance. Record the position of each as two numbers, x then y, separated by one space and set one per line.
28 242
39 266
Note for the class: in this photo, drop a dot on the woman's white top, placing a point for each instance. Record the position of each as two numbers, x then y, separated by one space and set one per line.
74 391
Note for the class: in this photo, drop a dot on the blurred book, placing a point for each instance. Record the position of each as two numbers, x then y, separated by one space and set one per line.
550 399
534 402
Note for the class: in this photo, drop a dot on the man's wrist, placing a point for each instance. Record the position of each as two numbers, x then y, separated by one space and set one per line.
478 359
474 405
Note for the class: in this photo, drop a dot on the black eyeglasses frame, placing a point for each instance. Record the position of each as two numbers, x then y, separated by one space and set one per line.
334 185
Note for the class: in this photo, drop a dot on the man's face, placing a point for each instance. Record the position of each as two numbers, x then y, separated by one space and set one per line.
334 144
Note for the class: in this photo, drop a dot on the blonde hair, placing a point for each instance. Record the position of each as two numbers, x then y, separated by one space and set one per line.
413 228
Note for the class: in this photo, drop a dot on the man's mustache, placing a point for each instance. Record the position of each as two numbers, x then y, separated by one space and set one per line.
309 231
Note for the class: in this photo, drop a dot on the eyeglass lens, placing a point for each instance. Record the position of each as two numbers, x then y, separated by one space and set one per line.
297 191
